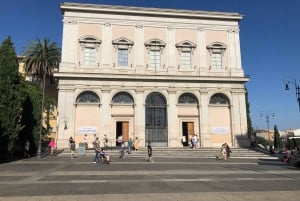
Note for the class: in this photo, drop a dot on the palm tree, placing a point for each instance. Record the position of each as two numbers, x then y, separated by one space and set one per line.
41 57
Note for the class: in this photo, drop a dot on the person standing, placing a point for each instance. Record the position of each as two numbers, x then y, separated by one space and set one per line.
149 151
97 148
52 146
26 148
105 141
130 143
72 147
85 140
136 143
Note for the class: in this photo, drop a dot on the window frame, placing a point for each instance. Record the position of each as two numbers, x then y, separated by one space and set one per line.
155 45
89 42
216 48
122 44
184 47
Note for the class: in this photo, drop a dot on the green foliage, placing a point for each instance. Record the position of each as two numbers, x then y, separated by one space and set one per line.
261 140
276 137
249 122
10 99
41 57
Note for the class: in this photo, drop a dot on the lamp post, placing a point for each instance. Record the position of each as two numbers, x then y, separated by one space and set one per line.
267 116
297 88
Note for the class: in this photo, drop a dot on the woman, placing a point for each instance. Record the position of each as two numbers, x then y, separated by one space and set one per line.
136 144
52 146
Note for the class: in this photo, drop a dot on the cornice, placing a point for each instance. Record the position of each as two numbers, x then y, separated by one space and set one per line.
150 78
155 12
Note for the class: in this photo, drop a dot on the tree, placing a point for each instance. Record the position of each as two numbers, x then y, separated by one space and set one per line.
249 122
41 57
276 137
10 99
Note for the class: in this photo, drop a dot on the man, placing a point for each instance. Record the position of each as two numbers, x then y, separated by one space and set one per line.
97 148
149 150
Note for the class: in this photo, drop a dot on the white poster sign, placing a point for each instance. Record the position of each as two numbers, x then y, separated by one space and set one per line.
87 129
220 130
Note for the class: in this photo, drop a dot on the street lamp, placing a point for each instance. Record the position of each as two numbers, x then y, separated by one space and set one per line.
297 88
267 116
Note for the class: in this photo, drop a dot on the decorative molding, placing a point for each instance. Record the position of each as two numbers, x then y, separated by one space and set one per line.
70 21
139 26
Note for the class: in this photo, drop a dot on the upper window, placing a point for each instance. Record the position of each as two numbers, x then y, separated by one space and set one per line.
216 51
155 48
219 99
122 47
88 97
89 47
122 97
186 50
187 98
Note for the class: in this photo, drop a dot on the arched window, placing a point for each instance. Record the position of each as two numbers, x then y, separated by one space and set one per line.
88 97
219 99
122 98
89 50
156 120
187 98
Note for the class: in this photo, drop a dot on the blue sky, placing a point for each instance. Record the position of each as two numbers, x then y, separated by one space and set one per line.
270 43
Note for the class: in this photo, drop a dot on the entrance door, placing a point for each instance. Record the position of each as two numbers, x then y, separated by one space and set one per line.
156 120
122 130
187 132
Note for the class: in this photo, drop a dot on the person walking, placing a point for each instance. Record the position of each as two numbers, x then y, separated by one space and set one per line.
130 144
149 151
97 148
85 140
72 147
52 146
136 143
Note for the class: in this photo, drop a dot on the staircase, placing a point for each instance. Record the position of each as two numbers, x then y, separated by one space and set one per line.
166 152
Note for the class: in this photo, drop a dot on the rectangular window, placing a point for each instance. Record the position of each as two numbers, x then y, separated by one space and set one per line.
216 60
122 57
186 60
89 56
155 58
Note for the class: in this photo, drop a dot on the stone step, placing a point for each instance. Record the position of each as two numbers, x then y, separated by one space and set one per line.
182 153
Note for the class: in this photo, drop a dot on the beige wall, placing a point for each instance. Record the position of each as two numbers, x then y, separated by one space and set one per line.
140 25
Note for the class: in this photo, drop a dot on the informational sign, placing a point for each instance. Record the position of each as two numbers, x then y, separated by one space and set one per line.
183 138
87 129
220 130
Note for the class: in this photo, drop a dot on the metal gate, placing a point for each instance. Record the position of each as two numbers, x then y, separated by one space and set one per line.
156 120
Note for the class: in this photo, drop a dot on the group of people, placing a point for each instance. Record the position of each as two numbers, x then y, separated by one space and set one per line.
100 153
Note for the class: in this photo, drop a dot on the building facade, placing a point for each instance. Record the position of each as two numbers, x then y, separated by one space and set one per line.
161 75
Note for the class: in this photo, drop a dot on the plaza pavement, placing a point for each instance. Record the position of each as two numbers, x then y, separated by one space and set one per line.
184 176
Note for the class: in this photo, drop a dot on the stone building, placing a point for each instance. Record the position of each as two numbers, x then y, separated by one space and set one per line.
161 75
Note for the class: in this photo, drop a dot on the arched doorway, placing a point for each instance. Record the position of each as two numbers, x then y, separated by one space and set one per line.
156 120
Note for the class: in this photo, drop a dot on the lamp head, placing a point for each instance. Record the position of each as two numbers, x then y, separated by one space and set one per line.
287 87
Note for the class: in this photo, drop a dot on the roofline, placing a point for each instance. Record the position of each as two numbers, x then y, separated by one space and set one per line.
161 12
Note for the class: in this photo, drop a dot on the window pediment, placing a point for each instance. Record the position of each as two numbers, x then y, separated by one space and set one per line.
90 39
216 47
186 46
155 44
122 43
